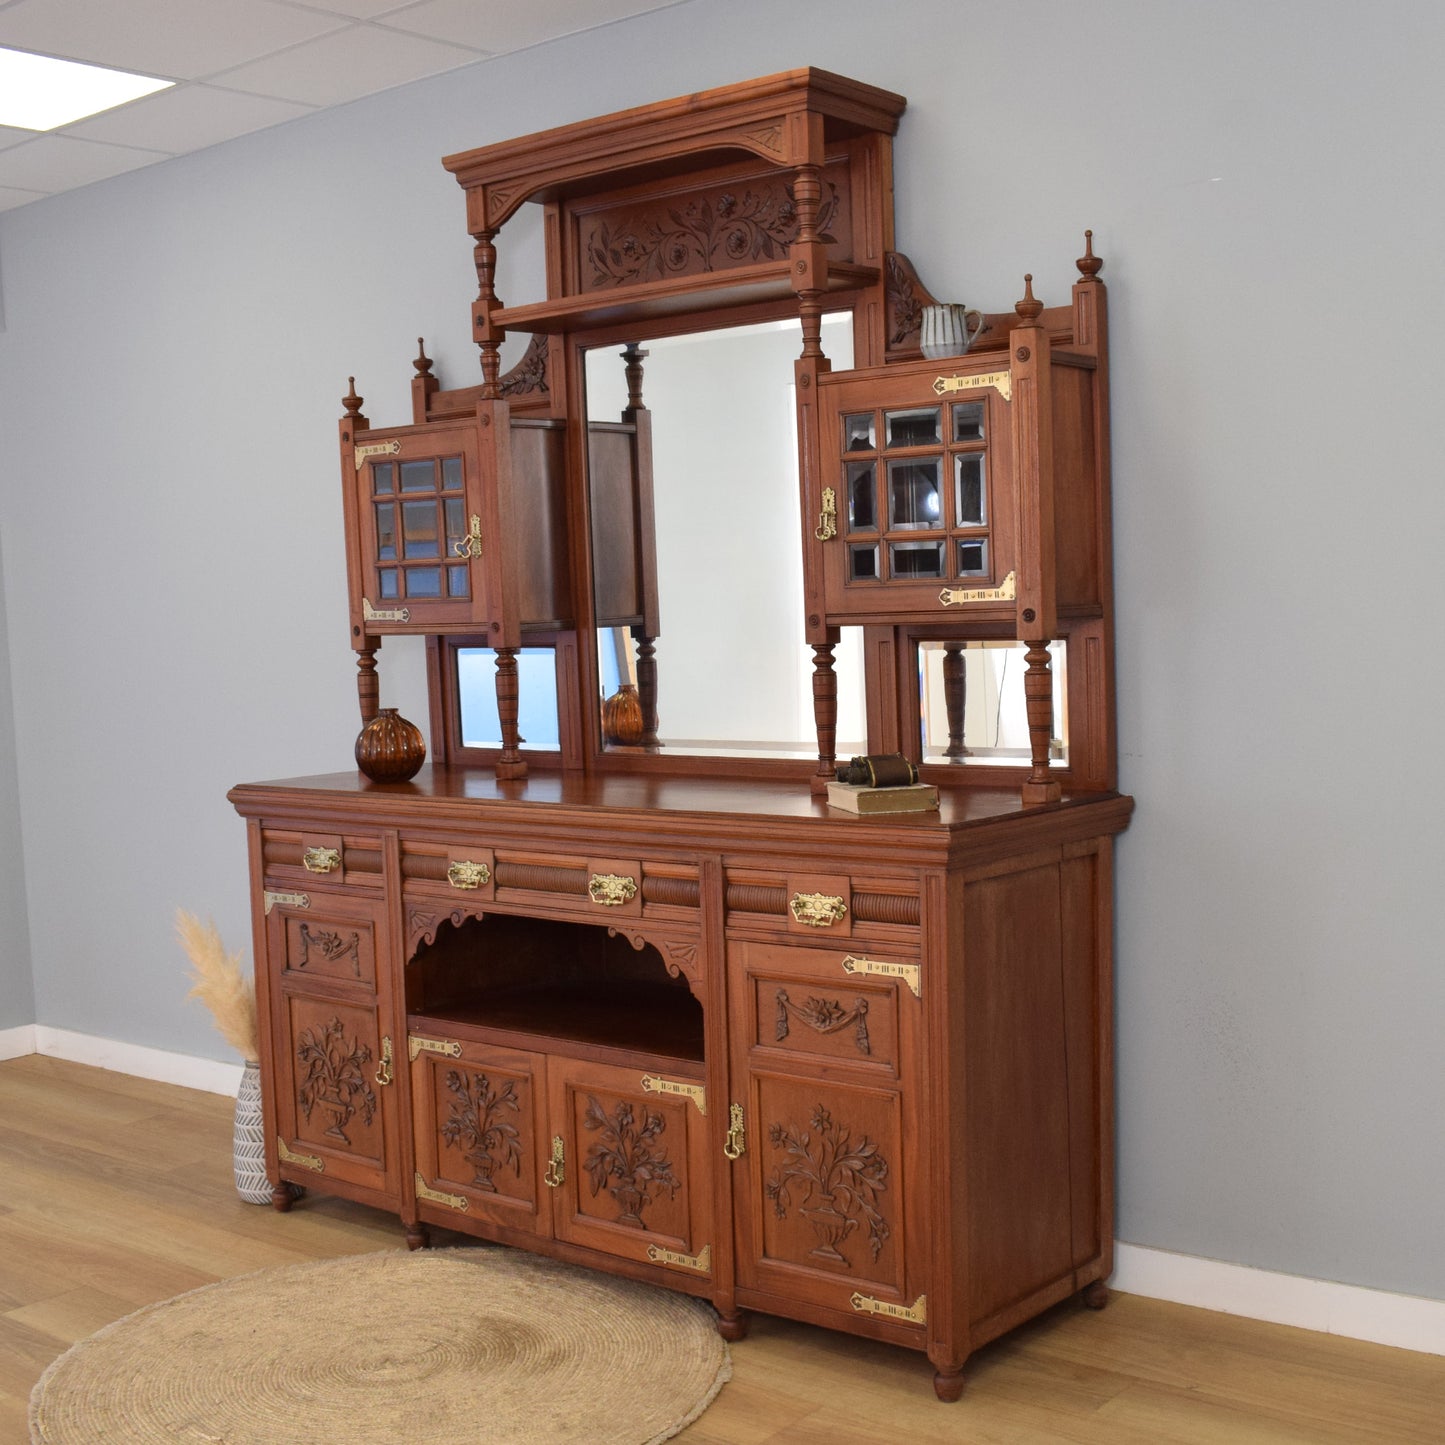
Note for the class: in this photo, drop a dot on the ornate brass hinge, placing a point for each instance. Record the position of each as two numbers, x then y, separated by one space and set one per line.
555 1175
827 527
466 874
1006 591
818 910
286 900
1001 381
306 1161
321 860
702 1261
610 890
471 544
696 1092
736 1144
910 973
383 614
383 1070
415 1045
452 1201
914 1314
376 449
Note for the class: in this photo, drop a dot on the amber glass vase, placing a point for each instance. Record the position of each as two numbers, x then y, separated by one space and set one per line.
389 749
622 718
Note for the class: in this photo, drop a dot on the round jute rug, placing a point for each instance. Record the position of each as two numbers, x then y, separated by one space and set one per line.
451 1347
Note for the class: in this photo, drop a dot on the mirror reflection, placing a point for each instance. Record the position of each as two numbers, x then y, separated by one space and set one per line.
697 563
971 697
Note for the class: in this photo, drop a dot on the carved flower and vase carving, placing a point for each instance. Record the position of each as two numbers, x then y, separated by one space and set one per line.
477 1125
334 1077
628 1153
837 1182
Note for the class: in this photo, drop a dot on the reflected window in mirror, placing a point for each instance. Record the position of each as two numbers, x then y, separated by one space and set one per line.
695 526
537 698
971 702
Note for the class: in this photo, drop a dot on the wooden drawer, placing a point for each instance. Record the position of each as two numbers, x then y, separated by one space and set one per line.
297 860
322 938
823 909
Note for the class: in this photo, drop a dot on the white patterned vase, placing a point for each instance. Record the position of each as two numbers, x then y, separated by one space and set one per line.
250 1139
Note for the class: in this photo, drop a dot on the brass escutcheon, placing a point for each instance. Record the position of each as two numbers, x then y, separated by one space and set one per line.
736 1144
555 1174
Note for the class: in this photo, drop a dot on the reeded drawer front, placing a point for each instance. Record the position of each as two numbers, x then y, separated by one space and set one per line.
298 860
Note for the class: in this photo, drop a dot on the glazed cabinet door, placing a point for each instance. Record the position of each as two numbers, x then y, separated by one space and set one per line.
629 1171
830 1189
334 1058
481 1140
419 514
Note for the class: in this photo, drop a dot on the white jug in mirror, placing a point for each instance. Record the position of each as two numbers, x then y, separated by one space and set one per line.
948 330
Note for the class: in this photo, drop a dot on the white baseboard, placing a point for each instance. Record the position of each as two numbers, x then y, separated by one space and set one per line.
16 1043
1407 1321
144 1063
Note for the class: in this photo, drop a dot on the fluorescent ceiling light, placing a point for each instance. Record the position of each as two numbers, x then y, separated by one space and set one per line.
38 92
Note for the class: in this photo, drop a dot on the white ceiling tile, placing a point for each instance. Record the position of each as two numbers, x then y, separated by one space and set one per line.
57 163
499 28
10 197
12 136
341 67
359 9
186 119
182 39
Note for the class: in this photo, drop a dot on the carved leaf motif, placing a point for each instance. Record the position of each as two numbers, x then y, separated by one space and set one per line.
475 1125
331 946
334 1077
530 373
627 1152
839 1183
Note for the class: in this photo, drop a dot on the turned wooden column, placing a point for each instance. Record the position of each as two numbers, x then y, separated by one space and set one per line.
647 688
488 334
825 716
368 689
1039 705
955 698
511 763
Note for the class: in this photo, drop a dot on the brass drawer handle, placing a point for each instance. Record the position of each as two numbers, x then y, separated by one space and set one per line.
321 860
556 1172
466 874
383 1072
610 890
818 910
737 1140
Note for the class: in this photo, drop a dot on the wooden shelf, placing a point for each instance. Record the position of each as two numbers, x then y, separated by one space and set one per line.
741 286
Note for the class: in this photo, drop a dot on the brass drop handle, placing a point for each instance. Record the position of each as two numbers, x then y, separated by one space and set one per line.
737 1141
321 860
383 1072
471 544
556 1171
828 518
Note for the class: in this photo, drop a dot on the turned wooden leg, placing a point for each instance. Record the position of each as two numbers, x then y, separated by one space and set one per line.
948 1385
1039 704
1095 1296
647 689
284 1195
732 1325
418 1236
825 715
511 764
368 689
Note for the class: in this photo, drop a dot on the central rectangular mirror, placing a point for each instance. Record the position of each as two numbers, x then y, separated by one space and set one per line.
696 535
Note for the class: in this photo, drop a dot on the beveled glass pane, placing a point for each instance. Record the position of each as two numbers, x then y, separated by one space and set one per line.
915 559
862 497
913 494
917 427
457 581
423 581
451 474
863 563
973 556
456 524
968 502
419 529
860 433
418 476
968 421
386 532
383 478
387 577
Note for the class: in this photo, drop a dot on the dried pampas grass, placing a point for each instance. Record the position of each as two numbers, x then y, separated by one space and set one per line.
220 983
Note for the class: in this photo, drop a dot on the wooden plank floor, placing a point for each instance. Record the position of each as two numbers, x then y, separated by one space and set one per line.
116 1191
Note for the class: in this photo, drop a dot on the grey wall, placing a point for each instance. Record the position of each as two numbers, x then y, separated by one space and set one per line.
1264 183
17 989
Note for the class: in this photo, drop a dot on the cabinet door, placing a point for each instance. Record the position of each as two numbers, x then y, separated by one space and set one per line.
334 1062
922 487
633 1178
424 547
830 1192
481 1140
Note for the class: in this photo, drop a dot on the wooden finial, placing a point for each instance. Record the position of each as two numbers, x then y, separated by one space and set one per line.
351 401
1029 307
423 362
1089 264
